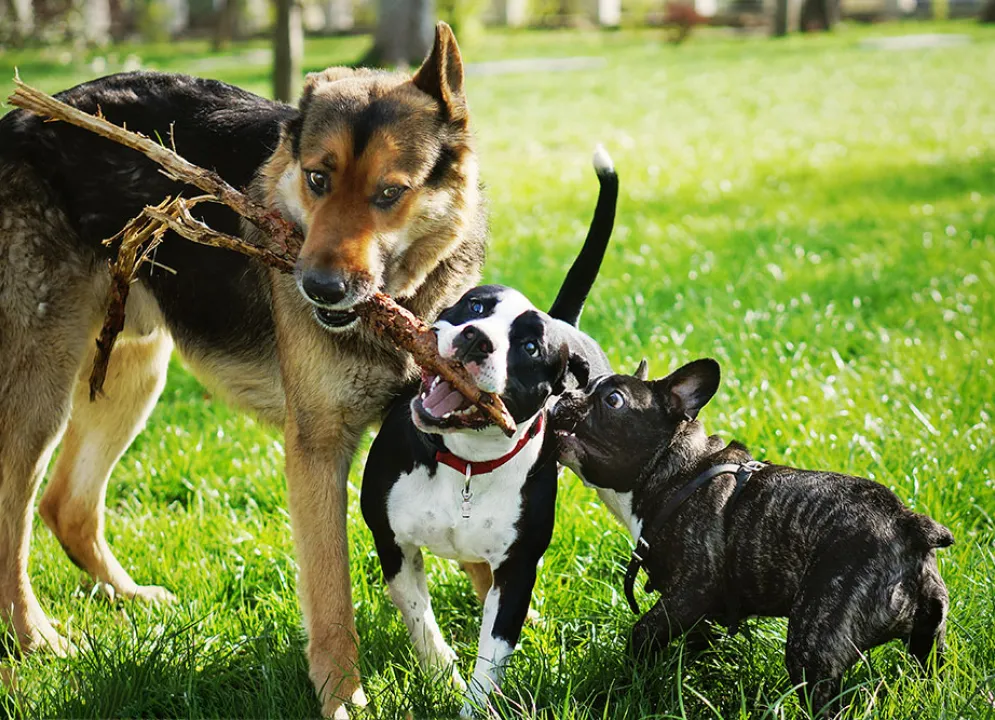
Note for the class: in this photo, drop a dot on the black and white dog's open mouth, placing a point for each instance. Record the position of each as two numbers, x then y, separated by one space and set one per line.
438 406
335 319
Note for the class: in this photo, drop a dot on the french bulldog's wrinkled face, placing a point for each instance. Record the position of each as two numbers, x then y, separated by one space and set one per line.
508 346
612 429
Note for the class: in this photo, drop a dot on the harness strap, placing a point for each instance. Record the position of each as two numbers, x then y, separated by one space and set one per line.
742 471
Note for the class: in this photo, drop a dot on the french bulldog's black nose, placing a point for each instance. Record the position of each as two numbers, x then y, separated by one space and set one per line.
473 345
324 287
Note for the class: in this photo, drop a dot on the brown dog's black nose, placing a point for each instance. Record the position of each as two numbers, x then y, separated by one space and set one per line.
324 287
473 345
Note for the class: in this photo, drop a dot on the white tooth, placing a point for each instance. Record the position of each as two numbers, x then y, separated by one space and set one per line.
447 415
435 382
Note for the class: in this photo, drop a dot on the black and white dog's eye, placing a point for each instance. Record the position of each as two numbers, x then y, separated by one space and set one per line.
615 400
388 196
317 181
476 307
531 347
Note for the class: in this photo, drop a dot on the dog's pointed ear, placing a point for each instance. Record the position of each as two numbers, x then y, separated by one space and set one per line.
441 75
643 371
688 389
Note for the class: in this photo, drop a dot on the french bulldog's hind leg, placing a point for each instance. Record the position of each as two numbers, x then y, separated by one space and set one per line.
929 625
819 650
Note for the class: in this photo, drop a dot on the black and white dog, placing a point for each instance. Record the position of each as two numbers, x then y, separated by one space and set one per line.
440 477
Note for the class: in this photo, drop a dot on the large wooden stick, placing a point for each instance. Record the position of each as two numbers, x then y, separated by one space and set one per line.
387 317
412 334
138 232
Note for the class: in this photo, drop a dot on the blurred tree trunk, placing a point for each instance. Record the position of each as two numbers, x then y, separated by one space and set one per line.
820 15
338 15
22 19
119 21
179 16
988 12
780 18
96 21
787 17
226 24
405 32
288 49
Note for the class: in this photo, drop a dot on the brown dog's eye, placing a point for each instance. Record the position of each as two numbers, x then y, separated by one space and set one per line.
317 181
615 400
388 196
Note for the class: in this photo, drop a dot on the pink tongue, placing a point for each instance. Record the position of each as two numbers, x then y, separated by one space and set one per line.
449 403
443 399
440 391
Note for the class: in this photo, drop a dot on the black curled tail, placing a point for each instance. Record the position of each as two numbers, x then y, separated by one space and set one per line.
570 300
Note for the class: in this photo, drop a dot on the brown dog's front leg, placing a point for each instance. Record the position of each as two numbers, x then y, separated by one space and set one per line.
317 470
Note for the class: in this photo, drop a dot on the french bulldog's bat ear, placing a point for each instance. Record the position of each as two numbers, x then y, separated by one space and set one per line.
688 389
643 371
441 75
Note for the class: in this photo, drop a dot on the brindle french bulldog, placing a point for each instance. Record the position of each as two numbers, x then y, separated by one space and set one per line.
724 537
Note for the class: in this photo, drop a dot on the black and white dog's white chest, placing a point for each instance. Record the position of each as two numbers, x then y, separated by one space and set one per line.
473 519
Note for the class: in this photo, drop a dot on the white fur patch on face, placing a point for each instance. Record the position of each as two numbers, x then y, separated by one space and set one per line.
288 191
491 375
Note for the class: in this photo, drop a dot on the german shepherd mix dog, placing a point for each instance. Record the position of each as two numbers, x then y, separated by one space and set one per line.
379 172
440 476
724 537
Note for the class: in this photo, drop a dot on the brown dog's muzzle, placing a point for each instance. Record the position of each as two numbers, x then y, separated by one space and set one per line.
334 270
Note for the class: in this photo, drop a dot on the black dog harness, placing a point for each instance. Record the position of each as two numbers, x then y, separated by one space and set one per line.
742 471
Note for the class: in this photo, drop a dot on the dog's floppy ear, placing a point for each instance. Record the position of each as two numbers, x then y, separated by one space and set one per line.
688 389
560 381
643 371
573 364
441 75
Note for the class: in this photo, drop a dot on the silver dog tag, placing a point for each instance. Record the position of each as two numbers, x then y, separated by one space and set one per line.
467 495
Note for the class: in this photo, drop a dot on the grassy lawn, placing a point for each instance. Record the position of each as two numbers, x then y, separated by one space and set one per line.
816 215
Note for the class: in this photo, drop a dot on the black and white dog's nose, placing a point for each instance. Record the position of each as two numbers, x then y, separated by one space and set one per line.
324 287
472 345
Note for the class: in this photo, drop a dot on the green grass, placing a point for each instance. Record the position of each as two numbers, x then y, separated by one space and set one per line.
818 216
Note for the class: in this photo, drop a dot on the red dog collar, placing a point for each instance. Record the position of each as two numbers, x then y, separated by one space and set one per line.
469 469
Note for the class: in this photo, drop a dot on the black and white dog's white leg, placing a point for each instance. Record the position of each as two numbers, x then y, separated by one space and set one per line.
409 591
505 609
507 604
